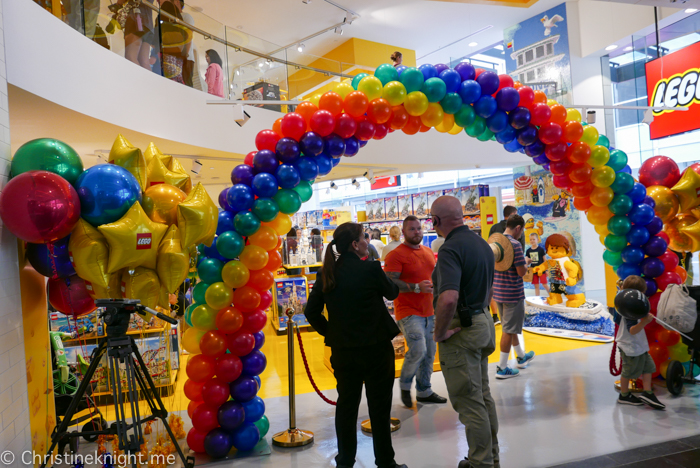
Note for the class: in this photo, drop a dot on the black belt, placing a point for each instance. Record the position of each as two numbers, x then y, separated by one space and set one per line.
474 312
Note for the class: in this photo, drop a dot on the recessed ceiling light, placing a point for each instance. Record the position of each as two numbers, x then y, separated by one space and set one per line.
628 48
611 47
261 64
691 10
473 44
499 47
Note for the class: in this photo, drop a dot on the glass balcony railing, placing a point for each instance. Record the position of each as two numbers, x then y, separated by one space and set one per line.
180 45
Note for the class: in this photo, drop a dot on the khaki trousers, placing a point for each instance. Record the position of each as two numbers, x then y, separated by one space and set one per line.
464 362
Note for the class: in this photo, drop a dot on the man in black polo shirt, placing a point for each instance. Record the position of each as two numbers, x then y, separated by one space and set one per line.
463 280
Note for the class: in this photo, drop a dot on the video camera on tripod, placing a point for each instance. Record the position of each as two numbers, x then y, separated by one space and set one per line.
118 313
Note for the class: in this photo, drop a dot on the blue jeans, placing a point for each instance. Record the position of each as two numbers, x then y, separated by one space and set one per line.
418 362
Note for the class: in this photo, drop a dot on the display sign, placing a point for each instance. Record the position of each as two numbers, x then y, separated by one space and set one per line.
672 81
385 182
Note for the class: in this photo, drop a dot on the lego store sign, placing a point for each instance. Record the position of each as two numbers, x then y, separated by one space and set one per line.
674 81
386 182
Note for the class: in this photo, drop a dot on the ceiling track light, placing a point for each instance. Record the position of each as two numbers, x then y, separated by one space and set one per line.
338 30
334 186
300 47
305 2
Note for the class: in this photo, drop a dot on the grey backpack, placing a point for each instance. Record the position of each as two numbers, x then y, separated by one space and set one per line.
677 308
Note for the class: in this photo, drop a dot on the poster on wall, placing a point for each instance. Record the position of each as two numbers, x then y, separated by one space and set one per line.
537 54
546 210
405 206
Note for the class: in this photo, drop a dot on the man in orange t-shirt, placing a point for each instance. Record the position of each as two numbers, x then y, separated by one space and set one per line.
410 266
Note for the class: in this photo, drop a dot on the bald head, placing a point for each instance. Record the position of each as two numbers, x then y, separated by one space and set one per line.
448 211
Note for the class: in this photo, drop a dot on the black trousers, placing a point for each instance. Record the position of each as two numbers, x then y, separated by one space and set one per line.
373 365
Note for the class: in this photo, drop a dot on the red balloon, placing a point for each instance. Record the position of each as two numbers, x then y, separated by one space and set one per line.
654 303
562 181
322 122
664 236
266 139
249 158
345 126
424 128
193 390
666 278
216 392
70 296
255 321
659 353
246 299
39 206
694 166
293 126
379 111
365 130
658 170
213 344
229 367
556 151
527 97
478 72
399 118
240 343
504 81
579 173
193 406
380 131
205 417
550 133
670 259
195 440
265 300
262 280
667 337
200 368
229 320
583 189
274 261
412 126
559 167
540 114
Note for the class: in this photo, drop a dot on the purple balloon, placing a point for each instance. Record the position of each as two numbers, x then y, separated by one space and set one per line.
40 258
222 200
507 99
334 145
254 363
242 174
542 159
527 135
536 150
363 143
231 415
651 287
259 340
652 267
311 144
352 146
441 67
655 247
489 82
466 70
218 443
287 150
655 226
649 201
452 80
265 161
519 118
546 167
243 388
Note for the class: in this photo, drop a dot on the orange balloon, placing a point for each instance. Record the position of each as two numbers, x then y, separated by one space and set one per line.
582 203
424 128
682 273
193 390
200 368
332 102
274 261
413 126
213 344
281 224
160 203
254 257
229 320
540 96
680 242
356 104
578 152
306 109
265 237
246 298
399 117
517 85
262 280
379 111
277 126
558 114
572 131
666 202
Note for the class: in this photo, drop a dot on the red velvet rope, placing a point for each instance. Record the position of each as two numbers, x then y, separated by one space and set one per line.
308 371
614 369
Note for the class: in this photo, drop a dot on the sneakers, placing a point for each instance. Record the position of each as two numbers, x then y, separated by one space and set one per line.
506 373
629 399
496 320
524 361
651 400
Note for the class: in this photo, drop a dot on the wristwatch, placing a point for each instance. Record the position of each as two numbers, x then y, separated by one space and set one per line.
416 289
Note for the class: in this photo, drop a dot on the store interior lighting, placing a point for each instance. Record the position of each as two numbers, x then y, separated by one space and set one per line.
369 175
356 183
690 10
334 186
473 44
611 47
305 2
300 47
648 116
338 30
196 167
590 116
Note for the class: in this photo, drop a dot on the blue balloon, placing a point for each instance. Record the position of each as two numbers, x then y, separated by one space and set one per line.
336 161
506 136
441 67
527 136
519 118
652 267
652 287
363 143
287 176
307 167
638 235
649 201
259 342
325 165
334 145
39 257
628 269
254 363
243 388
231 415
222 200
287 151
655 247
311 144
641 214
400 69
106 193
240 197
246 437
352 146
638 193
257 377
466 70
536 149
265 161
497 122
242 174
213 252
254 409
218 443
655 226
225 222
489 82
513 146
626 169
485 106
428 71
264 185
469 91
452 80
632 254
508 99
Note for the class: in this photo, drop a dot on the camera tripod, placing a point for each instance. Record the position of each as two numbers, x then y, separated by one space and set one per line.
121 351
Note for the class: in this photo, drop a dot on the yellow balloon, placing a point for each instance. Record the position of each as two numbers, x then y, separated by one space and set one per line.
89 254
235 274
281 224
666 202
599 215
416 103
693 233
160 202
590 135
129 157
112 291
603 176
315 99
371 86
551 102
197 218
394 92
158 173
343 89
152 152
687 190
601 196
143 284
573 114
173 262
191 339
433 115
218 296
204 317
448 121
164 300
600 155
682 241
602 229
254 257
133 240
456 130
174 166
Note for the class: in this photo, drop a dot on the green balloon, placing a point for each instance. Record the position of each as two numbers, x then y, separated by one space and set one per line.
304 190
200 249
620 205
356 81
465 116
451 103
188 313
603 141
246 223
265 209
434 89
263 425
230 244
47 154
485 136
619 225
614 259
618 160
615 243
623 183
209 271
386 73
412 79
198 293
288 200
476 128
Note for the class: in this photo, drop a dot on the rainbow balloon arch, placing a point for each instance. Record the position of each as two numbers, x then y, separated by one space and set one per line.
238 247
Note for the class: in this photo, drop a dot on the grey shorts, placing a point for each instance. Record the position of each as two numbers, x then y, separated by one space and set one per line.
512 316
634 367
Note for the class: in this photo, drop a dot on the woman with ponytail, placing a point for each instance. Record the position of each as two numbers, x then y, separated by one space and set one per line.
359 331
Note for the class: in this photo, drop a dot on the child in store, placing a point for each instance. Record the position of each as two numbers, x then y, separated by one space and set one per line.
536 254
634 352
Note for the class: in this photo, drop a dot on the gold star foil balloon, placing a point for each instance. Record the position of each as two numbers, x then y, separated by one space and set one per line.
133 240
89 254
142 284
173 262
176 167
160 203
687 190
197 217
683 238
129 157
152 152
158 173
113 291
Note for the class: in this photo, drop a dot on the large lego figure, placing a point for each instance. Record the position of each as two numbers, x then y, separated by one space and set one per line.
564 273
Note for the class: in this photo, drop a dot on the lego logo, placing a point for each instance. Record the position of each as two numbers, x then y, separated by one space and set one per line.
489 219
143 241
